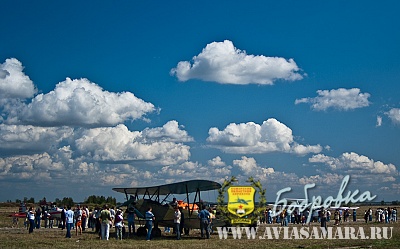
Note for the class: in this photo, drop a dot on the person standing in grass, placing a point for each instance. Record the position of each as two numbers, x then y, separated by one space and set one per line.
105 218
69 221
63 218
31 219
38 217
131 219
15 221
78 219
182 224
322 216
336 216
149 222
85 214
177 222
204 217
119 223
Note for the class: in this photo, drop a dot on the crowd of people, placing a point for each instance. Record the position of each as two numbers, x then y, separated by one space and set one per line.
205 217
339 215
78 219
382 215
37 216
101 220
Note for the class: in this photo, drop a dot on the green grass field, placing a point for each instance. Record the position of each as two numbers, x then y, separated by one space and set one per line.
55 238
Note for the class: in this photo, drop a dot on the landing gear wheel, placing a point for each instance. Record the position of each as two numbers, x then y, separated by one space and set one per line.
156 232
141 232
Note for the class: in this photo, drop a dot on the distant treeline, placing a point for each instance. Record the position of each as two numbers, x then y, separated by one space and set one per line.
94 199
68 201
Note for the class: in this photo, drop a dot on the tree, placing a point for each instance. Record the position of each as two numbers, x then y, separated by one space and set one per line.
259 211
221 207
100 200
57 201
111 200
67 201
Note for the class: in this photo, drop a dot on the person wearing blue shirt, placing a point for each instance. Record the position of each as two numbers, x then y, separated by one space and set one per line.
69 221
149 223
204 217
131 220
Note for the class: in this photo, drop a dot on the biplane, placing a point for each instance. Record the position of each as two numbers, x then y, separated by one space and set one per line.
48 207
22 212
156 197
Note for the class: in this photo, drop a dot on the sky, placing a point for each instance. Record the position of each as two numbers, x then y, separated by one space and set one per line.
96 95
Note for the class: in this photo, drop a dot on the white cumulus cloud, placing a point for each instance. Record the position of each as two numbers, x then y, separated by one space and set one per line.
223 63
119 144
82 103
13 81
31 138
250 137
168 132
356 164
249 167
394 115
326 179
29 166
341 99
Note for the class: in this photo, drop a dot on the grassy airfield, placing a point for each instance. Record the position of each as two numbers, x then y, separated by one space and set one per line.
55 238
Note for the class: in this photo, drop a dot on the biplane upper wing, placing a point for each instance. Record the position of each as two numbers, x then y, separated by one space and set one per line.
173 188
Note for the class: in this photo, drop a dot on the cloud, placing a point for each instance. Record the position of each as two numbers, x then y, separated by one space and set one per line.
250 137
219 167
395 187
269 177
118 144
80 103
86 155
216 162
249 167
341 99
55 168
13 82
169 132
326 179
394 115
27 138
378 121
190 170
355 164
34 166
223 63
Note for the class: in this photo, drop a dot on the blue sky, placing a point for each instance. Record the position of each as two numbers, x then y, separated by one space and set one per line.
136 93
